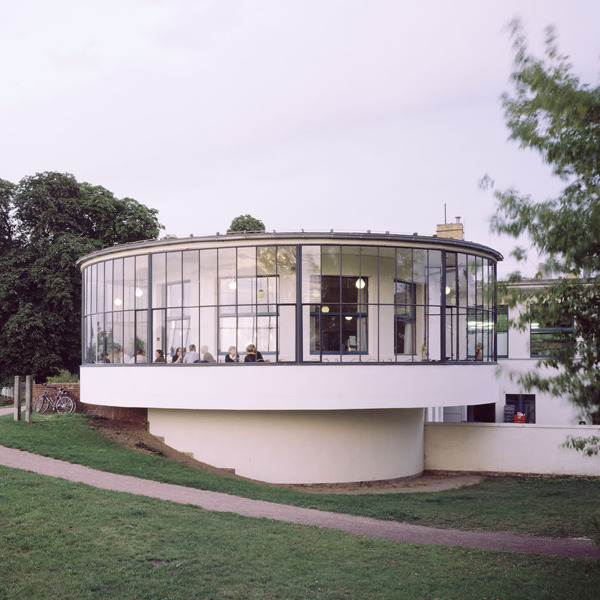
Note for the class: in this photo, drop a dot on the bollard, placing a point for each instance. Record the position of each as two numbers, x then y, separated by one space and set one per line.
17 397
28 399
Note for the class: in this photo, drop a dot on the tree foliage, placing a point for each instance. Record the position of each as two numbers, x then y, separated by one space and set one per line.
246 224
48 222
553 113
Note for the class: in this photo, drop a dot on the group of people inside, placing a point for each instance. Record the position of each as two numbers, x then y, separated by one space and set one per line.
204 356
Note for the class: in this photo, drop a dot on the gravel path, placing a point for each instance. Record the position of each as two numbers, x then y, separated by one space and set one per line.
215 501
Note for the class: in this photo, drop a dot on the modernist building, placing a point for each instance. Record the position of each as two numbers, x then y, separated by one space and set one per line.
360 334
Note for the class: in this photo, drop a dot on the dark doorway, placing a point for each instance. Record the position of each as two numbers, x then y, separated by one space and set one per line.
482 413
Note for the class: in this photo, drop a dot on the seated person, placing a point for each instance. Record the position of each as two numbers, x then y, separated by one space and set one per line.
233 356
192 356
206 356
140 356
178 356
252 354
159 356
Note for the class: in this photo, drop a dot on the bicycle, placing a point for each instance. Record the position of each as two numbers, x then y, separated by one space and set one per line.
57 399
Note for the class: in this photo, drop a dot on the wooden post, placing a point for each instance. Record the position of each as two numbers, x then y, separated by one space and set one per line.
28 399
17 398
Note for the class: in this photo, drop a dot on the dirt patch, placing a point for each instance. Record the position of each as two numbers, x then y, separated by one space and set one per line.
135 436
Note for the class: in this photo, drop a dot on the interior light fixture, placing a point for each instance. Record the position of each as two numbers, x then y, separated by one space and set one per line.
139 292
348 318
232 285
325 309
261 293
118 302
360 283
448 289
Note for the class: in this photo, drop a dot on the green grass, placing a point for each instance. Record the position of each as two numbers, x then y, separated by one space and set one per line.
553 507
63 540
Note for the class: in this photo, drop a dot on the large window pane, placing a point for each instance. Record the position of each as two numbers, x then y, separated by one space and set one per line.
93 289
266 336
100 288
331 260
159 280
129 341
247 333
117 303
228 333
208 277
141 337
141 281
117 336
174 280
108 285
287 334
191 288
208 330
385 292
286 271
176 337
159 337
311 273
89 340
129 283
191 330
227 276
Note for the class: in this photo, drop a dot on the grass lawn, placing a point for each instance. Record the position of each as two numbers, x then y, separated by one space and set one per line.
553 507
63 540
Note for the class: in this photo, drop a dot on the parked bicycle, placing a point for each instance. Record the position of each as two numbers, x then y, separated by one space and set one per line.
55 398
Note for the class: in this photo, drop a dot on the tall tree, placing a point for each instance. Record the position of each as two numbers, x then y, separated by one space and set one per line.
551 112
47 222
246 224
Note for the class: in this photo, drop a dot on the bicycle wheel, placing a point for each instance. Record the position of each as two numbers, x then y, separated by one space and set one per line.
41 404
65 405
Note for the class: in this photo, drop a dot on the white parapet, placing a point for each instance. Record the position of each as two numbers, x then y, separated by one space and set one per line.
289 387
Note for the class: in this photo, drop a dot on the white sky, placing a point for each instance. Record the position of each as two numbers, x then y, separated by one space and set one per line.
307 114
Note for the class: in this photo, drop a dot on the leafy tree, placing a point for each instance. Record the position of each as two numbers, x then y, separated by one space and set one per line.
48 222
554 114
246 224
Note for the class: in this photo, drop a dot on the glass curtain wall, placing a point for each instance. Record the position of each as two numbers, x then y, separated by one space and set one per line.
358 303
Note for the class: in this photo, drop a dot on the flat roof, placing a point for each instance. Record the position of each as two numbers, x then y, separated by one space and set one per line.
277 236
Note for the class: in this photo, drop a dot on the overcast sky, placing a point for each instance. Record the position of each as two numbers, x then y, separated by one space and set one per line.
308 114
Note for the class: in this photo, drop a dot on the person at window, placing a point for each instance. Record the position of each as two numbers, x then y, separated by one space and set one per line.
178 356
117 355
206 356
233 356
140 356
159 356
191 356
105 358
252 354
479 351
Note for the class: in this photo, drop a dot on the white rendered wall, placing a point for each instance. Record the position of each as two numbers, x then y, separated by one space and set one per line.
299 446
292 423
507 448
549 410
288 387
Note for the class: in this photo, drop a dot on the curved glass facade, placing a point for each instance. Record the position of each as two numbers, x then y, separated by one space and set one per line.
314 301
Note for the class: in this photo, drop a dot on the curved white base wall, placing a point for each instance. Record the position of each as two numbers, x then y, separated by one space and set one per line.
299 446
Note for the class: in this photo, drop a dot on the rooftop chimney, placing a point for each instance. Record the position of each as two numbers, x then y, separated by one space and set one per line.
454 231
